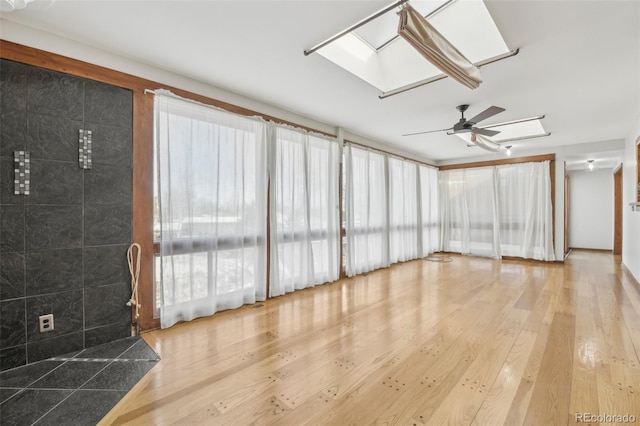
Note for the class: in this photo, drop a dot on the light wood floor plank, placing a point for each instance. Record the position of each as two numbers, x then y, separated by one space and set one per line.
475 341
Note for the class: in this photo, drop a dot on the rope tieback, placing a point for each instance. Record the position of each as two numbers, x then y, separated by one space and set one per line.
134 269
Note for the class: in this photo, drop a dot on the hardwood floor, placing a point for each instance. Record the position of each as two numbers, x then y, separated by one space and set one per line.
474 341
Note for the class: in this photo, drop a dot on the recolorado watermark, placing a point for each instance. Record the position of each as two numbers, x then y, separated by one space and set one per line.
605 418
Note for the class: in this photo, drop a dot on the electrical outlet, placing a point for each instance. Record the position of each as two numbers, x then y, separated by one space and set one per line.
46 323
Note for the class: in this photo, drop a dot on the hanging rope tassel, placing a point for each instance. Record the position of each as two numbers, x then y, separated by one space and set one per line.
134 270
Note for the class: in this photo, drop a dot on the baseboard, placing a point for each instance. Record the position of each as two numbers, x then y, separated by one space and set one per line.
516 258
567 253
629 275
525 259
592 249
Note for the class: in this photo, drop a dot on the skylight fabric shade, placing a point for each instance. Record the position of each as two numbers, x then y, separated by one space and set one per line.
485 143
415 29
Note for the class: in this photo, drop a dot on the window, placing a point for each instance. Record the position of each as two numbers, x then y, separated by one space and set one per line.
403 210
213 173
210 220
365 211
305 225
496 211
429 214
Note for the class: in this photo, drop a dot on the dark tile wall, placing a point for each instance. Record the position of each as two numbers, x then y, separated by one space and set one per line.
63 247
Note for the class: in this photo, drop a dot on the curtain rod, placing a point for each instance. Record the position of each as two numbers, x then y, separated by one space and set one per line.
212 103
355 26
433 79
402 157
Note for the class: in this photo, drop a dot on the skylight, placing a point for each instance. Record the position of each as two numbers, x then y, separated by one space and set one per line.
382 30
467 24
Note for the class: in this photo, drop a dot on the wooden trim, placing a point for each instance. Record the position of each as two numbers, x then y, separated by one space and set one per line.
617 212
552 173
530 159
618 168
143 204
525 259
268 242
390 153
567 186
507 258
40 58
342 269
594 250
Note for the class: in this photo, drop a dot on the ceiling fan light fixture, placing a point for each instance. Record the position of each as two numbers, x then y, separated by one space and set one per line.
590 166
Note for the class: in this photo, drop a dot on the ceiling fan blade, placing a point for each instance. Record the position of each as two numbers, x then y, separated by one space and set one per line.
428 131
485 132
489 112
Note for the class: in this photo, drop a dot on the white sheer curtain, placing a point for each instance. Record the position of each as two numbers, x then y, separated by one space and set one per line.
367 233
403 210
496 211
305 228
468 211
429 210
211 186
526 211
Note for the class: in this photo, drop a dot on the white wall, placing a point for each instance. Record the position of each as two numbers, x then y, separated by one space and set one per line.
591 209
630 219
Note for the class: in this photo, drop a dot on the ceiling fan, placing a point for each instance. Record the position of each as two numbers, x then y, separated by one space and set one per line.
463 125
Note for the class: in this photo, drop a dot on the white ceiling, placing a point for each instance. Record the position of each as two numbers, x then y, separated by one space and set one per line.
579 64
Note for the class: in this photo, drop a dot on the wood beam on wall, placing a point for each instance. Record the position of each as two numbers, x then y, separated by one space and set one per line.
504 161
